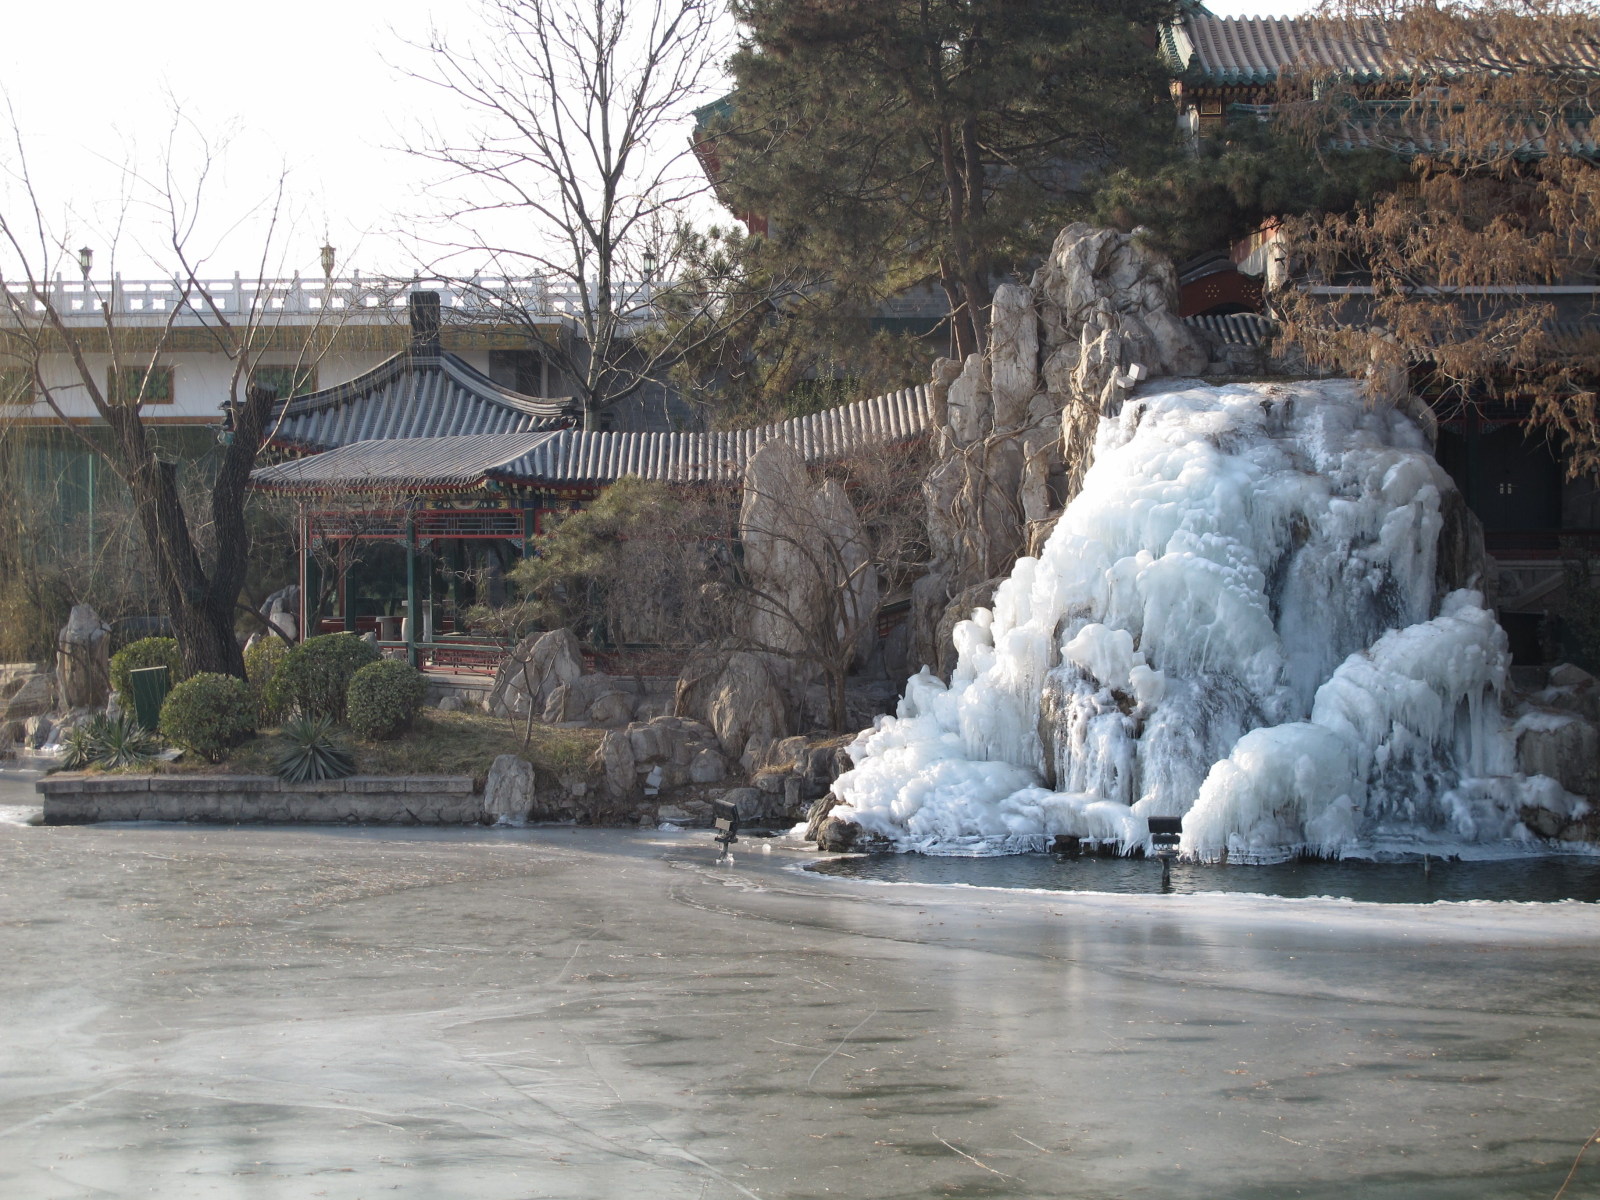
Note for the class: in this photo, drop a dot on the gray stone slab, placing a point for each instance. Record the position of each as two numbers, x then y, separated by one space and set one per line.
93 785
214 784
358 784
334 786
437 784
57 784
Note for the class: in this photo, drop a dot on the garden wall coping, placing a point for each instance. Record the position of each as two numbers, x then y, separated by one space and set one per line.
79 799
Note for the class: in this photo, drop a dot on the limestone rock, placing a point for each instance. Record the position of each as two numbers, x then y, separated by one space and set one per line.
969 405
1542 822
611 709
752 804
576 701
1571 690
13 676
83 659
1564 747
450 704
617 763
1567 675
36 695
37 731
540 663
1018 422
282 610
650 742
1013 355
837 835
739 694
818 815
1108 282
945 372
707 767
509 792
807 558
979 595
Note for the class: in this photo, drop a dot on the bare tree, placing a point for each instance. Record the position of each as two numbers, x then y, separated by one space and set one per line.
571 185
199 553
1461 267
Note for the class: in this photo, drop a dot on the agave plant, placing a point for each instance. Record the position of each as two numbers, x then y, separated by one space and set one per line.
106 741
80 744
312 752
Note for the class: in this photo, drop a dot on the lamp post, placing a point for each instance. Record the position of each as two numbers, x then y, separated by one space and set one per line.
85 262
650 264
327 262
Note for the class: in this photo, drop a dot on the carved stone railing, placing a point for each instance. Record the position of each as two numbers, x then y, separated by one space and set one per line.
374 300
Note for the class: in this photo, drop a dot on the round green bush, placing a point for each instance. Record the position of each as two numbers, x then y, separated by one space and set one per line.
314 677
261 663
209 713
146 652
384 696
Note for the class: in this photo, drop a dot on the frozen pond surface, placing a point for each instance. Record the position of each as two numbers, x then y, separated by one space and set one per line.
1529 879
19 802
290 1013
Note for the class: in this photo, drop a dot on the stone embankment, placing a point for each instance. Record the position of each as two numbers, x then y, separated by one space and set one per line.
82 799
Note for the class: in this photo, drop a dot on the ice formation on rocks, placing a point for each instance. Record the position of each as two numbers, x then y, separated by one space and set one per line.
1240 619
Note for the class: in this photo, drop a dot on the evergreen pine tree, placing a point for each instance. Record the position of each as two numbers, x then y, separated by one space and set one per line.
894 141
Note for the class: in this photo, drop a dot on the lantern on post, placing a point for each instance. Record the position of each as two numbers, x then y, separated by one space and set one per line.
725 815
1165 833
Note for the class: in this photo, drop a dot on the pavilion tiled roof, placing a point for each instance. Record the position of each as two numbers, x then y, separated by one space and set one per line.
1240 51
414 396
1409 138
568 457
1253 51
401 464
579 457
1569 335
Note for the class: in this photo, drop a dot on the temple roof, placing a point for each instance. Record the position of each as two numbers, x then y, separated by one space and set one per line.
414 396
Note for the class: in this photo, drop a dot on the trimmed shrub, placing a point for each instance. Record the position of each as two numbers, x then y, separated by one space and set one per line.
314 678
261 663
384 696
311 752
146 652
209 713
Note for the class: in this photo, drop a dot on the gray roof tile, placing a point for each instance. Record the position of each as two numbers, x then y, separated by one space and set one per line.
410 396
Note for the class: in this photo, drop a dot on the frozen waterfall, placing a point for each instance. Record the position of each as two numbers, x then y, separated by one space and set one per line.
1242 619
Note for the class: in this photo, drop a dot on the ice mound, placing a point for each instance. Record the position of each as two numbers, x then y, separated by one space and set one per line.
1238 620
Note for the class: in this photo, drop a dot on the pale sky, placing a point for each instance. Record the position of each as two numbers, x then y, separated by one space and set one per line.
305 84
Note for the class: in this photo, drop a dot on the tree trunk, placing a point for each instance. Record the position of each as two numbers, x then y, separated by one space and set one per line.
200 606
967 317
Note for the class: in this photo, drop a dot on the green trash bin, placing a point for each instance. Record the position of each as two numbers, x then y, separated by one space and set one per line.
150 686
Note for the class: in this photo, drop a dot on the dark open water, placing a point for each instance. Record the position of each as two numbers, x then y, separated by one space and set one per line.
1529 879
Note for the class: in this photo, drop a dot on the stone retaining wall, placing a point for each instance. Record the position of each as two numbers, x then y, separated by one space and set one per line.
76 799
